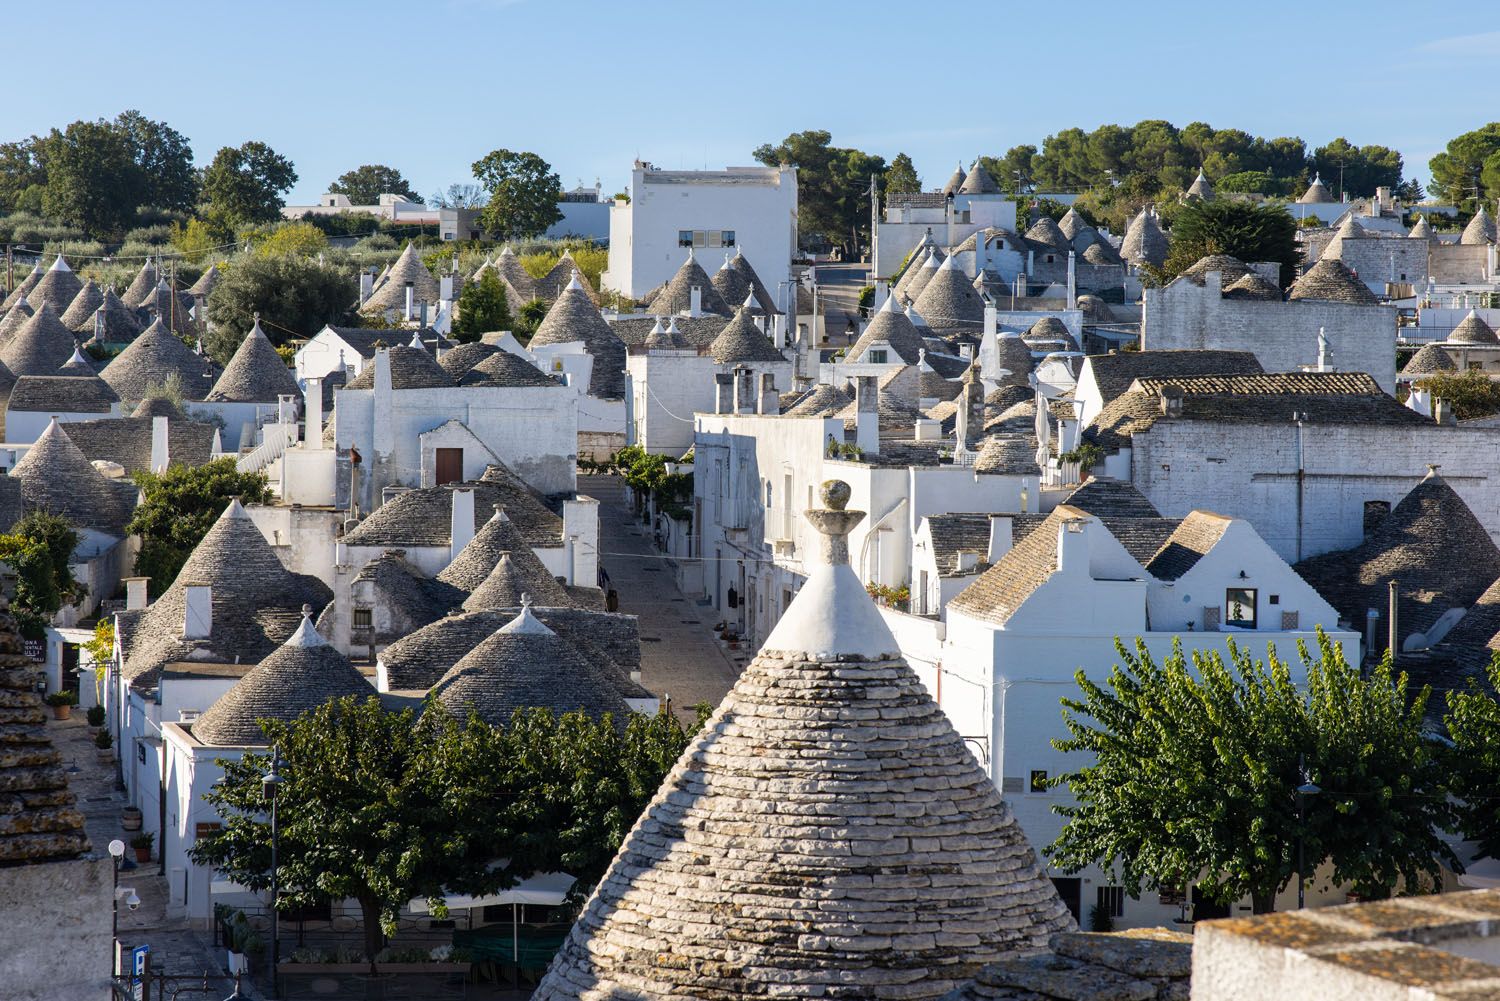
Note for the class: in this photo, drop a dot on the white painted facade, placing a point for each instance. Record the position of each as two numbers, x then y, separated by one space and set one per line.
327 352
757 205
901 227
24 427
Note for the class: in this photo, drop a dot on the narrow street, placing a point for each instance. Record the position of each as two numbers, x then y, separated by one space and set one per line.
680 656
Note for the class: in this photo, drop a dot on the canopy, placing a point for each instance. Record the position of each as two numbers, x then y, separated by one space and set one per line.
548 889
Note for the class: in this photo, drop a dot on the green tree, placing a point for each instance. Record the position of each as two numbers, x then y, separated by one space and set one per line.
1194 767
1014 172
93 181
1473 723
39 548
245 184
902 177
1471 393
833 186
1458 171
523 194
165 160
295 239
364 185
179 506
1250 232
290 293
482 307
1357 170
22 176
533 312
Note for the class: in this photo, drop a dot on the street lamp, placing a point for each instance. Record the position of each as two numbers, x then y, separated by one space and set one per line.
1306 789
270 787
116 853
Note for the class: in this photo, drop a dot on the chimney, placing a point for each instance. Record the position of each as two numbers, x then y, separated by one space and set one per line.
966 351
366 285
744 390
867 414
1072 280
135 593
445 287
410 302
1072 546
1393 635
160 453
928 429
312 406
1442 412
1171 401
198 611
769 402
99 324
882 293
723 393
1000 537
695 301
462 529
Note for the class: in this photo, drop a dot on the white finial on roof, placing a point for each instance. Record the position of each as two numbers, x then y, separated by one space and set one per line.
922 365
526 622
235 510
573 283
833 614
749 302
306 635
78 358
690 253
726 266
657 328
60 264
889 306
672 324
499 513
416 340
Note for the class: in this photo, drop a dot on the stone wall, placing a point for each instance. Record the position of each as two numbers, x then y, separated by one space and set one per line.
57 930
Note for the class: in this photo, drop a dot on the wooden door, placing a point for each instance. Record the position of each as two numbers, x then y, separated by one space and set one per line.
450 465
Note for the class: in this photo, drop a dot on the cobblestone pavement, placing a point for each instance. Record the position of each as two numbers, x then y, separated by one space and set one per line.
680 655
175 948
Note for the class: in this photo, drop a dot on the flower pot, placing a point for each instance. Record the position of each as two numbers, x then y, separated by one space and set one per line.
130 818
142 854
62 712
107 757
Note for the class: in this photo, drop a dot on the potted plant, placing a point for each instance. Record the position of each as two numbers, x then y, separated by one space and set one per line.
62 703
106 745
130 818
142 845
96 716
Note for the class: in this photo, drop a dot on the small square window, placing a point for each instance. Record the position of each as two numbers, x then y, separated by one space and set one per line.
1038 780
1239 607
1111 901
728 238
684 238
877 357
1274 599
363 618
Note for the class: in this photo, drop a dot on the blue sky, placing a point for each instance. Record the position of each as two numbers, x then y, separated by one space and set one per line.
429 87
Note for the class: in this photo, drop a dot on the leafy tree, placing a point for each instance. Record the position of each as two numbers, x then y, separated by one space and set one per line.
22 176
93 181
40 549
180 505
1473 723
364 185
1244 230
290 293
165 160
458 196
482 307
1358 170
245 183
295 239
1471 393
1195 765
902 176
1458 172
532 315
523 194
833 186
196 240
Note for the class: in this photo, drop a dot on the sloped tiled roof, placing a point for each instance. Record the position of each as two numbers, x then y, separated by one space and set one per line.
61 394
1152 964
127 440
302 674
504 369
1108 498
411 368
151 359
1199 532
574 317
1113 373
256 373
1431 543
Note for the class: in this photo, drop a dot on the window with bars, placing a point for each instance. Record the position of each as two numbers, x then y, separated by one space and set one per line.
1111 900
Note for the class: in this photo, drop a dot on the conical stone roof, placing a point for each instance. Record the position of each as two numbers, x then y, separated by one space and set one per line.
15 319
1317 193
503 588
827 834
302 674
1200 188
58 478
822 400
457 361
918 258
526 665
676 296
1472 330
1332 281
79 316
739 262
1421 229
1480 230
142 286
731 284
256 373
151 359
390 294
560 276
1144 242
948 300
1231 269
27 284
1073 224
1047 232
78 365
112 323
41 347
1429 361
741 340
1015 358
979 182
411 368
574 317
509 266
57 288
1252 285
890 324
955 182
925 273
498 538
165 305
205 283
665 337
503 369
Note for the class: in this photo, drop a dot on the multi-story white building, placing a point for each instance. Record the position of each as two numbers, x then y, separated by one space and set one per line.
753 209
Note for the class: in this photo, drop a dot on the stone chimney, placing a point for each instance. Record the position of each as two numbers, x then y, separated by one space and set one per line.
1443 413
411 306
695 301
867 414
366 285
462 521
312 406
1000 537
723 393
768 401
1171 401
161 455
1073 546
198 611
135 593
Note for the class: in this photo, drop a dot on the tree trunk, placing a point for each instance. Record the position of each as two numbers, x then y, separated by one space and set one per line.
374 936
1263 901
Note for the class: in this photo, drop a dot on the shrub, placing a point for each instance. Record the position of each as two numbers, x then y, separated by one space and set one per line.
64 698
102 739
96 716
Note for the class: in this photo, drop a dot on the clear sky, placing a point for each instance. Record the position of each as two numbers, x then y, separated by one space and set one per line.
430 86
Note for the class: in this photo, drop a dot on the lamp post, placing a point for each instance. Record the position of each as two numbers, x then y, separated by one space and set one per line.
270 787
1306 789
116 853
